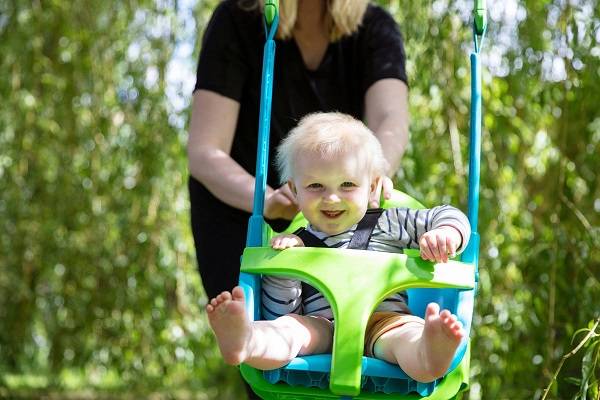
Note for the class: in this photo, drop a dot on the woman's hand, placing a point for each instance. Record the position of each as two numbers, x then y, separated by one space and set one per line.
280 203
438 243
282 242
385 186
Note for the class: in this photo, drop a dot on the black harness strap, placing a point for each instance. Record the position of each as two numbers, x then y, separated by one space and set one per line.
360 241
309 239
364 230
360 238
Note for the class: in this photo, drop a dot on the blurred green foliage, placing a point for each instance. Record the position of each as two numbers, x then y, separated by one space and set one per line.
98 287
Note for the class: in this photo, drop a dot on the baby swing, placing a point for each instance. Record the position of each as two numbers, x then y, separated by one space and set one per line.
346 373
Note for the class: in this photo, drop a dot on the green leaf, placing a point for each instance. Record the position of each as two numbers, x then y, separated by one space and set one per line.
588 366
593 390
573 380
582 330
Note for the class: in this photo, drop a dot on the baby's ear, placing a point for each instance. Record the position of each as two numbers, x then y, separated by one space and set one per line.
374 183
292 187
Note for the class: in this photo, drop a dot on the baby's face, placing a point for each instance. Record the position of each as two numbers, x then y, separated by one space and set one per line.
333 194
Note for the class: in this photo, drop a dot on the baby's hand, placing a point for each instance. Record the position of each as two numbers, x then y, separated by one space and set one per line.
437 244
286 241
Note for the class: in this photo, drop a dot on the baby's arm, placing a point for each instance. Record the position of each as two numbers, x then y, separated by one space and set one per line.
447 233
437 232
282 296
282 242
438 243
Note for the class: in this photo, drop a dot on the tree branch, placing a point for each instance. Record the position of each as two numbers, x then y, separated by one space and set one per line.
587 337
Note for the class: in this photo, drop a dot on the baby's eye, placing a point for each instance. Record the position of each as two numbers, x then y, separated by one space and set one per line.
314 186
348 185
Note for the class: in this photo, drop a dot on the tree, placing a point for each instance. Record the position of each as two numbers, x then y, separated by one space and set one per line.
98 286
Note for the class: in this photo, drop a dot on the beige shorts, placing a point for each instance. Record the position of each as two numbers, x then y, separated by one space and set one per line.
382 322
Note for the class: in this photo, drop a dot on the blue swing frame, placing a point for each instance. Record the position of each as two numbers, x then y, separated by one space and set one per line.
460 302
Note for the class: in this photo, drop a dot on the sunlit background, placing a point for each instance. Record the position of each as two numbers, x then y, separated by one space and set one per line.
99 294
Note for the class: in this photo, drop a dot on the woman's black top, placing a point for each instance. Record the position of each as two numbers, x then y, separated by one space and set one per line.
230 64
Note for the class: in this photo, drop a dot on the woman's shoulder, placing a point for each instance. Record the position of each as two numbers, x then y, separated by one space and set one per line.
376 14
377 25
239 12
235 20
241 7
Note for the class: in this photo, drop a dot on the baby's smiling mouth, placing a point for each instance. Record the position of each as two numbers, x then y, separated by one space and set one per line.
332 213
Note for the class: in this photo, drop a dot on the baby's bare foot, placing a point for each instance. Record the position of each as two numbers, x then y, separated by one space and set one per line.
227 318
441 336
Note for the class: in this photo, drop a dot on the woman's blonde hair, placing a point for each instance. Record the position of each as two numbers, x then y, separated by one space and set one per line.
330 135
343 16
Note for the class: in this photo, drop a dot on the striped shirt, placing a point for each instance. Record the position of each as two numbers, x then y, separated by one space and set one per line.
396 229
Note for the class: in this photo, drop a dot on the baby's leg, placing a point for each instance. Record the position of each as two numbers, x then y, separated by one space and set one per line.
423 351
264 344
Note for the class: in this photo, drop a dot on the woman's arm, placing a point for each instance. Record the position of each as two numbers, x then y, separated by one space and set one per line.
386 114
212 128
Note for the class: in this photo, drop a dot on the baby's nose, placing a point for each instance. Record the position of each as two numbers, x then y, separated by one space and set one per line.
332 197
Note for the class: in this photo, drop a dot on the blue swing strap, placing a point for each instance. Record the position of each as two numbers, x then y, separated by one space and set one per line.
256 233
254 237
471 253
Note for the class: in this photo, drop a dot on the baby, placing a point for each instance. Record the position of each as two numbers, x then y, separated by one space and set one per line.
332 163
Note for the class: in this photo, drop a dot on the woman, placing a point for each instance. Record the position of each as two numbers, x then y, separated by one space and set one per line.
332 55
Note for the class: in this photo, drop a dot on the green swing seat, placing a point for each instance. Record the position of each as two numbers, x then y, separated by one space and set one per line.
355 282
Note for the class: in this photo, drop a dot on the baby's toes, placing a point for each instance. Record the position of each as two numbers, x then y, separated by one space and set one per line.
457 330
237 293
457 326
451 320
445 314
224 296
447 319
432 311
453 326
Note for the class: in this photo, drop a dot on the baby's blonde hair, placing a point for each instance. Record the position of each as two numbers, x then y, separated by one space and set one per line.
329 135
